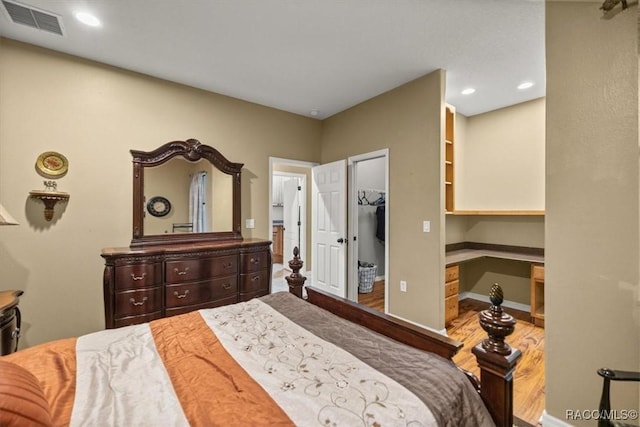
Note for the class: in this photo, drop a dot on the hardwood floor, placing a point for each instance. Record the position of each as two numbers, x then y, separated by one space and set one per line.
528 387
528 379
375 298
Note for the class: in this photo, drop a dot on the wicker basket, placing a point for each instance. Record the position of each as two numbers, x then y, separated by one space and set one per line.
366 277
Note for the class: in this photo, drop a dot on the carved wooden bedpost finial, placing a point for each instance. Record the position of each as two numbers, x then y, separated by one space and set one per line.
295 279
496 323
497 360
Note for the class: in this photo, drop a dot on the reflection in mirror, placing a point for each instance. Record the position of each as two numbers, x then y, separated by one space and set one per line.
198 194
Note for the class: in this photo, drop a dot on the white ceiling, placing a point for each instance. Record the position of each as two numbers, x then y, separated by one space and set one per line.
304 55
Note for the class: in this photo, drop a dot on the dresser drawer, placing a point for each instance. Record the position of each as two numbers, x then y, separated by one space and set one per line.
450 308
198 269
451 273
137 276
181 295
137 302
253 282
451 288
254 261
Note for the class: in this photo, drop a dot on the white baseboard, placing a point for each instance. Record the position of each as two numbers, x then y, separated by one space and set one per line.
549 421
485 298
379 278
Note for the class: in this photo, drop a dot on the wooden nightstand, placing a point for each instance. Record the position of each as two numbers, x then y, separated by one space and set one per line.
9 321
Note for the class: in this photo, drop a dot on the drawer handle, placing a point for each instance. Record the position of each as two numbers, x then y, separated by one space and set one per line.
177 294
134 302
254 278
181 273
227 265
254 261
134 277
226 286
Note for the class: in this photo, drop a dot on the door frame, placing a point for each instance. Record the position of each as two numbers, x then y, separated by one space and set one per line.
352 224
303 205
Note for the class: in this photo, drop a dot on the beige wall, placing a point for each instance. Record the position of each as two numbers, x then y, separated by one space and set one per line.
517 230
170 180
408 120
499 159
455 228
479 275
592 311
506 230
94 114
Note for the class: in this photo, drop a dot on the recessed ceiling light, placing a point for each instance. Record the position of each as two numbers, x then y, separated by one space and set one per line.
314 113
88 19
468 91
525 85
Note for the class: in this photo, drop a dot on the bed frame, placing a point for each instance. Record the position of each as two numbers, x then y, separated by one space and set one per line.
496 359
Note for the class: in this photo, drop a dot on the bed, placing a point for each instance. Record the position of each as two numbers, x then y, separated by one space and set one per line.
275 360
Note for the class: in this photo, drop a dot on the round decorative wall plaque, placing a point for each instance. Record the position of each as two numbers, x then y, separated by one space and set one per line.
158 206
52 165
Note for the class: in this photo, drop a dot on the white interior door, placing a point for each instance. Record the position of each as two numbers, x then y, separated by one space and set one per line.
329 220
290 217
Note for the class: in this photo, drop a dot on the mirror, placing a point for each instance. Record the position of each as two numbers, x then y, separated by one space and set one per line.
173 191
183 192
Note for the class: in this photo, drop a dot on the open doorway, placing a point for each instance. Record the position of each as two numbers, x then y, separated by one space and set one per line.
368 219
289 216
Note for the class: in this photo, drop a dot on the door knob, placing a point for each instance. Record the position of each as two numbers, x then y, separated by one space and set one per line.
341 240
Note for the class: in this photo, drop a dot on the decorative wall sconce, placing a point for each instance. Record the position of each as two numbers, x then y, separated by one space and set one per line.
50 196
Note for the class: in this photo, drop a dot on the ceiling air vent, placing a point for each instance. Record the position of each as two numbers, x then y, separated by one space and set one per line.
26 15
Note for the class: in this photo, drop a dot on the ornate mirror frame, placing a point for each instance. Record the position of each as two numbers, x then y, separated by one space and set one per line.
191 150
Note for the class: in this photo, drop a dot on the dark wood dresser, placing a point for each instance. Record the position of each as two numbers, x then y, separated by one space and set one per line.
143 284
9 321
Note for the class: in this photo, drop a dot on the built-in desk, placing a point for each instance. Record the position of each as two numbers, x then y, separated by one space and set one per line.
459 253
462 255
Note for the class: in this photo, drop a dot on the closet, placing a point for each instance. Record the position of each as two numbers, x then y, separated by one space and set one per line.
371 198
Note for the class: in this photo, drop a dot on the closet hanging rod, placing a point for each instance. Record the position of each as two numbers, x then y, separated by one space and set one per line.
377 199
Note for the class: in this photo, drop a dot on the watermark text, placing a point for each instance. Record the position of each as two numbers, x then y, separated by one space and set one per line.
595 414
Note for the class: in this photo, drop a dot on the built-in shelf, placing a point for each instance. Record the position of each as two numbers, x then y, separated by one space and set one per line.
449 175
